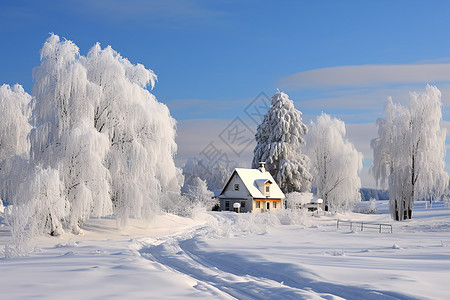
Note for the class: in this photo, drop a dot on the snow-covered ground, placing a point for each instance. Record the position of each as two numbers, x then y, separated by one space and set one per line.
245 256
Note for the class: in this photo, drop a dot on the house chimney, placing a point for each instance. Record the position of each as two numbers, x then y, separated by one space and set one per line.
261 166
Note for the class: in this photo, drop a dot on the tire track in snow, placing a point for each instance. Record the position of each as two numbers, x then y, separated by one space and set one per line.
228 275
220 283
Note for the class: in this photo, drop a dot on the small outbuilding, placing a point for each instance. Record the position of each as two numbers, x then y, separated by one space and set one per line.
315 204
304 200
254 190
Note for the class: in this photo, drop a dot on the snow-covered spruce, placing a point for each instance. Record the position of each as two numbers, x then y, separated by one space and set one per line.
279 143
409 151
335 164
100 142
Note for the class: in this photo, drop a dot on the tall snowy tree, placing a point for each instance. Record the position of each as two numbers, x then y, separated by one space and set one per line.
64 137
279 144
100 142
335 164
141 134
14 129
409 151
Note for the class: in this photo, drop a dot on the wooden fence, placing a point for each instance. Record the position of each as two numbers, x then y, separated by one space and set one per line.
365 225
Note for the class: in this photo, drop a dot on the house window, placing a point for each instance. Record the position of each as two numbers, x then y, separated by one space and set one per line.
267 190
236 186
227 205
274 204
258 204
242 204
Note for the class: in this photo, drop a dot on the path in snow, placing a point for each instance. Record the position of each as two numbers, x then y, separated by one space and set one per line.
245 256
228 275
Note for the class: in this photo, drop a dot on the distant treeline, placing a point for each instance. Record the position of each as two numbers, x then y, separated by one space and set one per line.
367 194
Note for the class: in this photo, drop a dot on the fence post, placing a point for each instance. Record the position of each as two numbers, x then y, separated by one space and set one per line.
380 228
362 224
337 223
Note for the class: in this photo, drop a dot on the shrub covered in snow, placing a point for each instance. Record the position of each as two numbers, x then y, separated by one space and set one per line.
296 200
235 224
197 194
366 207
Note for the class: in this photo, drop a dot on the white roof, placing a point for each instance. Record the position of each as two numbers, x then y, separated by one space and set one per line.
253 178
316 200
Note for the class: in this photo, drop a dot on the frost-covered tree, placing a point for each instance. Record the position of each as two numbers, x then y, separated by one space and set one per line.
141 133
64 137
41 192
279 144
409 151
197 193
100 142
216 176
335 164
14 129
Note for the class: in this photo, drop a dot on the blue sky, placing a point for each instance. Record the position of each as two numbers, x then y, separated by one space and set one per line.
214 57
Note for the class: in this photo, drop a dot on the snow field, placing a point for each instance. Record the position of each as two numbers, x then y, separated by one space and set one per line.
244 256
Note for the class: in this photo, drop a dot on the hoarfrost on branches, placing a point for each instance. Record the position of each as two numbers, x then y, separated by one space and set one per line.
63 137
216 176
409 151
335 164
279 143
296 200
14 129
99 143
141 135
198 194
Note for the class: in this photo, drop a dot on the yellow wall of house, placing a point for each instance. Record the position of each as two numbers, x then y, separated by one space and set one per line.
263 204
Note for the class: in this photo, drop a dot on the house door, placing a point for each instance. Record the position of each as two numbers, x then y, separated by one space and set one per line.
268 205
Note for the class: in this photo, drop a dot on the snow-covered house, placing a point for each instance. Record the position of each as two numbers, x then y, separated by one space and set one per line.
254 189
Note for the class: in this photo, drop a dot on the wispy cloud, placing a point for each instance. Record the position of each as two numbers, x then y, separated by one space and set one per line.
367 76
174 13
183 109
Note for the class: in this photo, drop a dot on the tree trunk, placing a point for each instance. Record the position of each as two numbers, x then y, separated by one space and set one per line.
397 213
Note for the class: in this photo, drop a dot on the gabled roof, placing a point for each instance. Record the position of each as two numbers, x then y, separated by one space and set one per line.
262 182
253 178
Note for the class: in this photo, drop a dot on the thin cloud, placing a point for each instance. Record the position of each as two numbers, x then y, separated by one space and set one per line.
174 13
367 76
208 108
